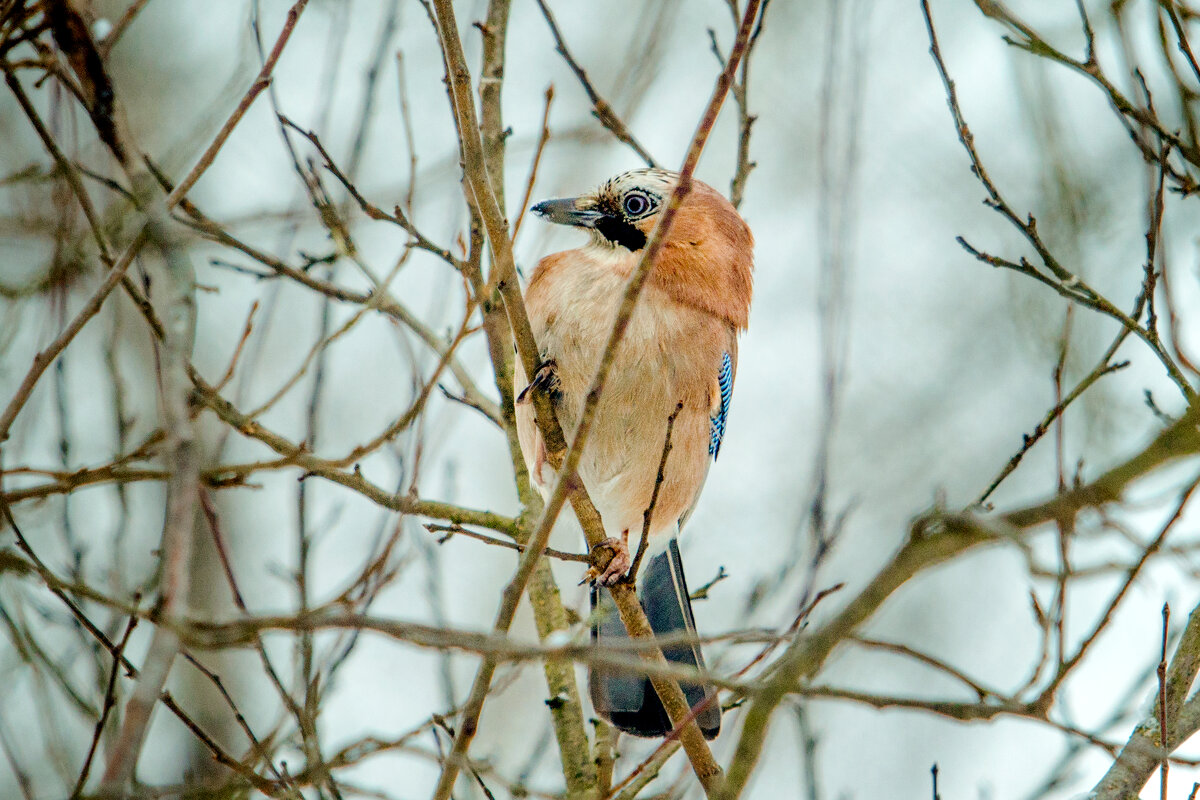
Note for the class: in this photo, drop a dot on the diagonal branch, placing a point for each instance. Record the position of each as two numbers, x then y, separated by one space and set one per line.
935 538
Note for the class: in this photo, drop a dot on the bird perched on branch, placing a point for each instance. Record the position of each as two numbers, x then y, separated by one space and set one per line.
678 356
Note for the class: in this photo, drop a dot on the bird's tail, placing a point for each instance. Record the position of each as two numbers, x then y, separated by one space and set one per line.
626 698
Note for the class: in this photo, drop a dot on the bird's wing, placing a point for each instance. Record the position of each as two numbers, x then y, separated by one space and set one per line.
720 395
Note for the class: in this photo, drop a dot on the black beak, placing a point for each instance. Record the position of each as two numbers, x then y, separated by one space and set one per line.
565 212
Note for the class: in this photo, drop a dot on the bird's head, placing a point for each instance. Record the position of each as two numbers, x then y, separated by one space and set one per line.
706 261
621 212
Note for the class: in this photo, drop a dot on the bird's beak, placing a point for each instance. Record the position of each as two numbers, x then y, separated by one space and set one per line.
567 212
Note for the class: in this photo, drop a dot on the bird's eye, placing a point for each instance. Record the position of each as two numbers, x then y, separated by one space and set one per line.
636 204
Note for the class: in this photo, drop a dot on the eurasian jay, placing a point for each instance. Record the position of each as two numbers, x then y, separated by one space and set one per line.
680 349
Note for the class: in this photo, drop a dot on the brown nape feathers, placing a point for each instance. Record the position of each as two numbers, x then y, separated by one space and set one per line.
707 260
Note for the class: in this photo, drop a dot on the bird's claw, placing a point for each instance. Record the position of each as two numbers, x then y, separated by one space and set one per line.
610 572
544 380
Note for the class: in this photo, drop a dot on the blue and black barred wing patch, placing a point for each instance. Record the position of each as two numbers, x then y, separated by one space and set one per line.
717 420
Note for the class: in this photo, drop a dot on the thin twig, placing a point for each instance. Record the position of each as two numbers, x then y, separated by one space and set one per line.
600 107
418 239
261 82
1162 704
237 350
1039 430
110 701
127 17
746 120
1143 752
453 530
214 527
1067 665
543 137
648 514
300 458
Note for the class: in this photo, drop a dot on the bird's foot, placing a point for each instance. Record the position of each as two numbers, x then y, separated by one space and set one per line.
544 380
609 572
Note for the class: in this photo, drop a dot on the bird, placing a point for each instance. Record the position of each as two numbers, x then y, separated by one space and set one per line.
678 356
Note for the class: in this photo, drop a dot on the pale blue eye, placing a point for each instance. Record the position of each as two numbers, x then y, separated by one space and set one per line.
636 204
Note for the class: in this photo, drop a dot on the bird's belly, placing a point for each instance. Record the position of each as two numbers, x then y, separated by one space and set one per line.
664 360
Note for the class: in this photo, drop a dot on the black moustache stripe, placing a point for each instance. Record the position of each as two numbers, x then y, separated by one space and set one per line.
618 231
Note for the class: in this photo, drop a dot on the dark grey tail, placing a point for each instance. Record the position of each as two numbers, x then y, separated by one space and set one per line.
626 698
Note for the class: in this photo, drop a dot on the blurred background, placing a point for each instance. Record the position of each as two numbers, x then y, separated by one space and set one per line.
885 371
